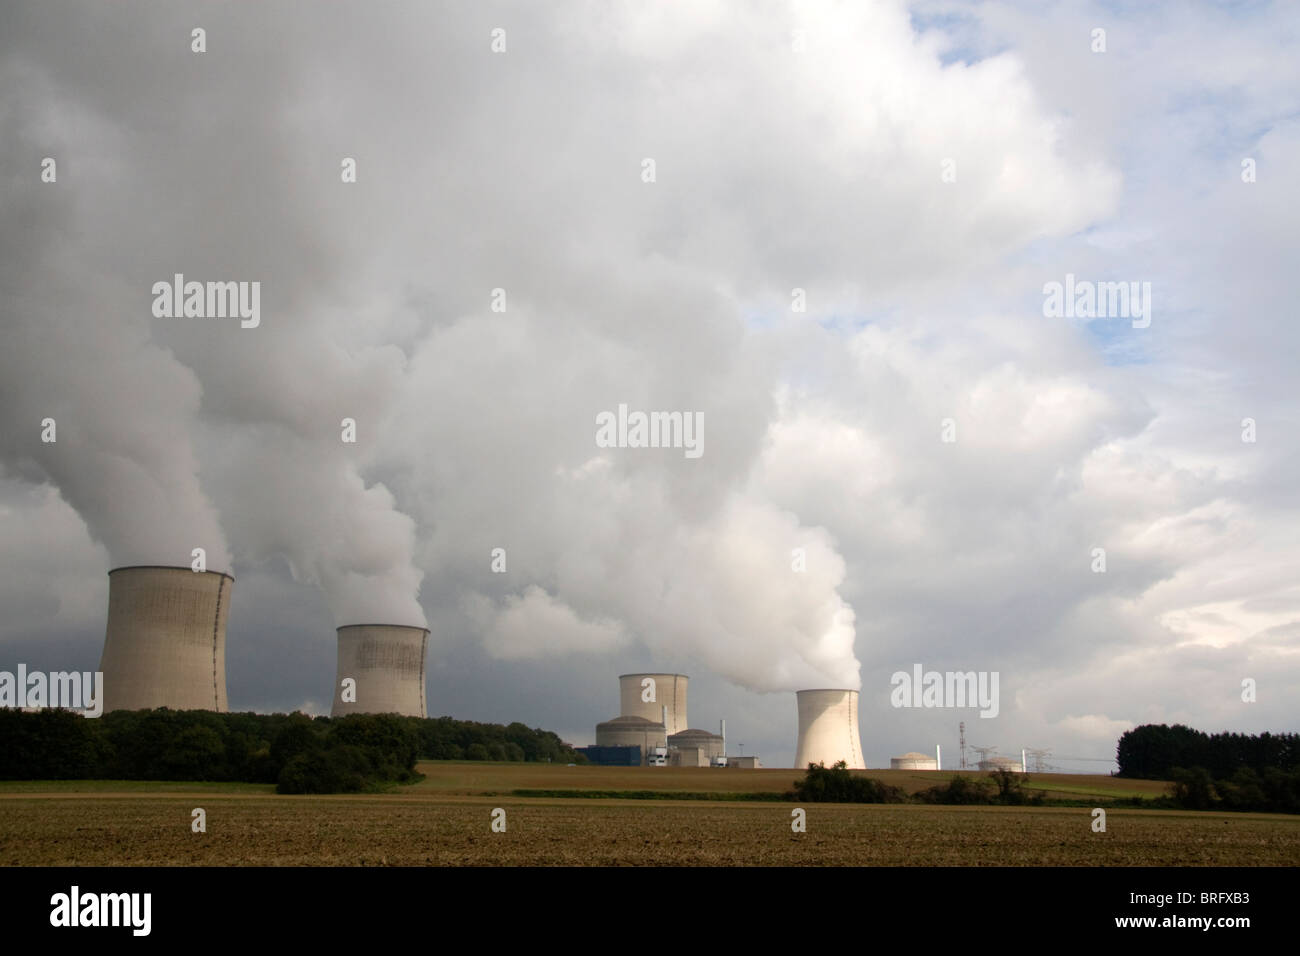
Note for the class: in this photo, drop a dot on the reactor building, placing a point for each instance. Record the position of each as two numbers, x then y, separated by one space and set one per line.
385 666
648 736
165 642
1002 763
652 729
914 761
828 729
696 748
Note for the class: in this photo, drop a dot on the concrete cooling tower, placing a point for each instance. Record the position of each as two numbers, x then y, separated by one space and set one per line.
165 644
387 663
669 691
828 729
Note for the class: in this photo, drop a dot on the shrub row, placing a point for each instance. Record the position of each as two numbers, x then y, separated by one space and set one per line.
837 784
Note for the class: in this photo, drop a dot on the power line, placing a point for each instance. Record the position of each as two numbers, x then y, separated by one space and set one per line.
1088 759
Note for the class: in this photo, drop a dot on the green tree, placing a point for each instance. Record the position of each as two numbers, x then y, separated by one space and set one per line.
961 789
838 784
1192 789
196 753
297 735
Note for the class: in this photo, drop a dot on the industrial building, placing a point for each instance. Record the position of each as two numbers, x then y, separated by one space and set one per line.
913 761
640 698
695 748
653 719
1002 763
386 661
633 731
612 756
165 642
651 707
828 728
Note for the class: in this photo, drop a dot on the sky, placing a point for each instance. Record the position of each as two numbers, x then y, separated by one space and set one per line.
838 257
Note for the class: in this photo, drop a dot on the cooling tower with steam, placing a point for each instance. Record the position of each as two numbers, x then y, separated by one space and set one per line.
387 663
828 729
165 644
638 698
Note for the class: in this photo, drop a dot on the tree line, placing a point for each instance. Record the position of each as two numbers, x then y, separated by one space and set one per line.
1153 751
1274 791
299 754
1225 771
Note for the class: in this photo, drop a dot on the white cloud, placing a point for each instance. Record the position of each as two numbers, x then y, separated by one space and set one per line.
776 170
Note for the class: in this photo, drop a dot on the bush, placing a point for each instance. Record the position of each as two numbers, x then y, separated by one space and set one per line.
961 789
392 742
1245 791
1011 789
837 784
298 736
340 769
1192 789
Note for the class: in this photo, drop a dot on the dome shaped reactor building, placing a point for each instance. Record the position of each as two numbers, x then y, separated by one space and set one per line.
828 729
695 748
1002 763
165 643
649 735
914 761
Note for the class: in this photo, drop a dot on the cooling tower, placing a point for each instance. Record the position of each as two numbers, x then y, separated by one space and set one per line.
165 644
387 663
828 729
669 691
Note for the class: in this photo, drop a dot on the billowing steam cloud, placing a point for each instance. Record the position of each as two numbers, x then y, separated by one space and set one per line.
301 502
479 186
163 422
77 355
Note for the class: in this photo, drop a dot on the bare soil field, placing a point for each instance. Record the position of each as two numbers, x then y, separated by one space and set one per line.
446 820
481 777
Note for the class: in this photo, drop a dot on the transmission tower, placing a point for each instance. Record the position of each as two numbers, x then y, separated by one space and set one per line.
984 752
1038 756
961 729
